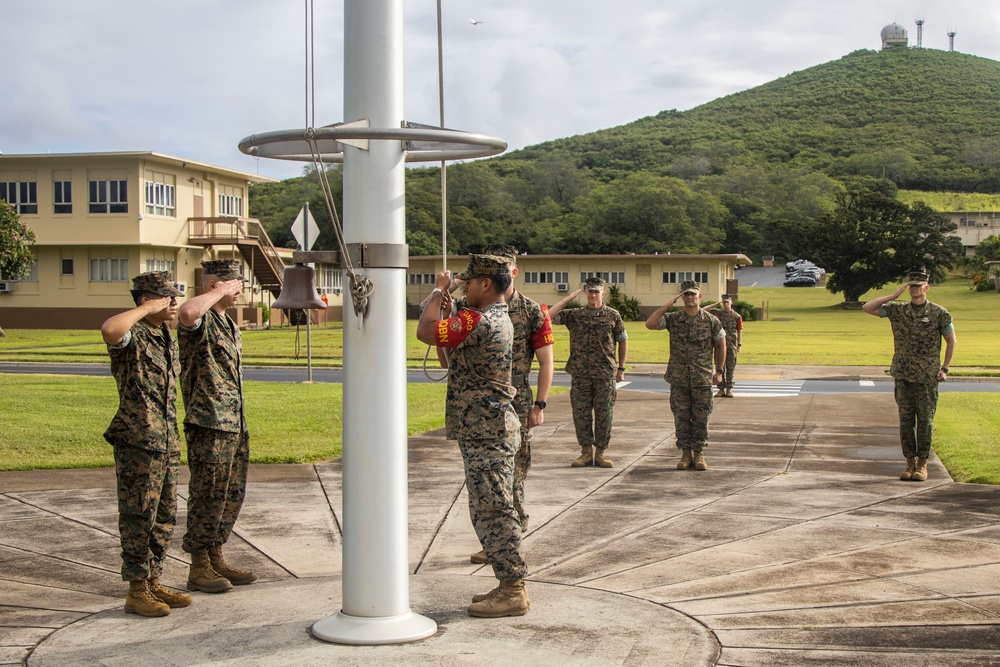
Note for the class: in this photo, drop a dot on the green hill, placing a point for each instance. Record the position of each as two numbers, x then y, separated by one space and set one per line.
927 119
732 175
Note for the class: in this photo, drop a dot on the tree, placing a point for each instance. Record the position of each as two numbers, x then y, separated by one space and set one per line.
872 239
15 244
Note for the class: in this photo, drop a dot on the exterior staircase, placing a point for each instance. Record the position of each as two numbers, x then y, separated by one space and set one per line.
250 238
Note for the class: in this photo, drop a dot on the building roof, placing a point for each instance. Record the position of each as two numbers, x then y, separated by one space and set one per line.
736 258
160 157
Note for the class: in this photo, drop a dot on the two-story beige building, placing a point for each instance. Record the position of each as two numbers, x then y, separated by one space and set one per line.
101 218
652 279
974 227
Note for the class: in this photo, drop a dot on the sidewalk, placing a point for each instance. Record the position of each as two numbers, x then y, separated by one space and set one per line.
799 546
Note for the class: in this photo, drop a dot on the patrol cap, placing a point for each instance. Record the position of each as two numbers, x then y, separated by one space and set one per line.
594 284
918 277
227 269
690 286
508 252
727 297
160 283
485 265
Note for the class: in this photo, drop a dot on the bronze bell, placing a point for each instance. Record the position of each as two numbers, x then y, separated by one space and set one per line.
298 290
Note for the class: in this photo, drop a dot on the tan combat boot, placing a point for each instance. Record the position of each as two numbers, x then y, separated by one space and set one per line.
911 467
510 599
699 461
172 598
586 457
235 575
686 460
729 393
920 474
479 597
721 393
601 460
479 558
202 577
140 601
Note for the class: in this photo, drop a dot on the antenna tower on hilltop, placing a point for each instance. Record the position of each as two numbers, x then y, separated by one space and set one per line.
951 40
920 33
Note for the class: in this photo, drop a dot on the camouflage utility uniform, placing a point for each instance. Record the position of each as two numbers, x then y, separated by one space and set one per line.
689 372
215 428
478 414
917 333
593 334
732 322
145 365
532 330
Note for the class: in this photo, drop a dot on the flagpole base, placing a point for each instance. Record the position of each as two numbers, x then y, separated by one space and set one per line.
370 631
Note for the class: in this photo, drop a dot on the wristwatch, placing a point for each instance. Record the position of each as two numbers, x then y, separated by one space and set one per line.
944 368
720 371
540 404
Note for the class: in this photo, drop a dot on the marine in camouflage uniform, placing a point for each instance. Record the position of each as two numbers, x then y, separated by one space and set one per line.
479 414
214 426
594 334
532 332
732 322
694 335
145 365
917 330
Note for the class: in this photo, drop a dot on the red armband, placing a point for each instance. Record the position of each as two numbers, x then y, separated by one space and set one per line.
544 335
451 332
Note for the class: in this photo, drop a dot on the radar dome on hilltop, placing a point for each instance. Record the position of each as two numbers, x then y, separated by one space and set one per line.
894 35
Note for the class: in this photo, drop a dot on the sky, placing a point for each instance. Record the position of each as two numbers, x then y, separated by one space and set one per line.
192 78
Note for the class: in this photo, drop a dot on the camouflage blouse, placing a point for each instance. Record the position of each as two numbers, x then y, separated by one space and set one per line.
593 334
479 389
916 333
692 343
145 365
212 373
532 330
731 322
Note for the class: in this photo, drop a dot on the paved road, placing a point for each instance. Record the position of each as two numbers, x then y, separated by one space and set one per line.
647 383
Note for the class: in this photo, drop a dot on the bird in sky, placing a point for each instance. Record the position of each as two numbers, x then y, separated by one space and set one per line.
474 21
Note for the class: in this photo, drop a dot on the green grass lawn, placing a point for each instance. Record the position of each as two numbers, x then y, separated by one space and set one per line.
803 327
57 421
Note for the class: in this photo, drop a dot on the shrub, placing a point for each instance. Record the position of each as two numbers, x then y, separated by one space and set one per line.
627 306
747 310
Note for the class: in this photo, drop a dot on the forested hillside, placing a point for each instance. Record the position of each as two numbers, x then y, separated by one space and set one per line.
733 175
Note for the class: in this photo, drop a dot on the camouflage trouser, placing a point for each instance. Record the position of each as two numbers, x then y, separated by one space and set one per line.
691 407
147 509
917 403
522 464
727 377
593 402
489 477
218 462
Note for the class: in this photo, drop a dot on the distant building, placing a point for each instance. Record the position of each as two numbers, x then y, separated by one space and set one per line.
652 279
974 227
894 35
101 218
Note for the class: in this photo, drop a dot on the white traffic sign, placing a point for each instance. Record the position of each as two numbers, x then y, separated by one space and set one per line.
304 229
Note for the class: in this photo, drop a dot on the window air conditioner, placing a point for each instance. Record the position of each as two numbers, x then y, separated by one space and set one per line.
562 287
182 288
6 286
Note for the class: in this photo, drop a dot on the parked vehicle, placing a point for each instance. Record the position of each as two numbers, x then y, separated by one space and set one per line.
800 281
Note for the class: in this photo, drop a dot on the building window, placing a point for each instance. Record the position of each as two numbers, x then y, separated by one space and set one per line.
330 280
160 195
230 204
113 270
109 196
22 195
62 196
610 277
677 277
160 265
545 277
421 279
66 267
